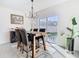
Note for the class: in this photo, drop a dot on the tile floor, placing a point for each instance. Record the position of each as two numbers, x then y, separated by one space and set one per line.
9 50
76 54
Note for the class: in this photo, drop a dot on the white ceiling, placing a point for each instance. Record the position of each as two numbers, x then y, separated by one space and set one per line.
23 5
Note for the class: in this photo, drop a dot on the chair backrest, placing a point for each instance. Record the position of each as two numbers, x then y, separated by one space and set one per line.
35 29
31 36
24 36
42 30
18 36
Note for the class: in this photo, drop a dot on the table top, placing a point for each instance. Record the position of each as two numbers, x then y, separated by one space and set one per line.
38 33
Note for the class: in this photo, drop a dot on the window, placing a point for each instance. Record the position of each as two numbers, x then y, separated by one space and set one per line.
49 23
42 23
52 24
52 21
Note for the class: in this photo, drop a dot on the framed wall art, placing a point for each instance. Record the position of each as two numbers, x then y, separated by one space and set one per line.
17 19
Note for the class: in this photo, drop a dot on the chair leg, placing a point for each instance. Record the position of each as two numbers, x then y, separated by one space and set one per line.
38 43
22 48
44 43
27 54
27 50
18 45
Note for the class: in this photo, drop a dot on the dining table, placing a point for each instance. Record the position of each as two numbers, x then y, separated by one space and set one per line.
37 34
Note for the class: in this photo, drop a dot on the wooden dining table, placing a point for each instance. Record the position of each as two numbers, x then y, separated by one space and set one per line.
37 34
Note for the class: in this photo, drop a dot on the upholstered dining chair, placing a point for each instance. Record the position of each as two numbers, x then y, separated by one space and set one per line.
41 37
35 29
25 41
22 40
18 38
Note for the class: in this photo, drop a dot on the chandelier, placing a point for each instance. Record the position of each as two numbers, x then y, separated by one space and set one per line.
32 14
32 8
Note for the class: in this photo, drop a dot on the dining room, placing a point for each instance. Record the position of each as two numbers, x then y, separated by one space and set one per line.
39 29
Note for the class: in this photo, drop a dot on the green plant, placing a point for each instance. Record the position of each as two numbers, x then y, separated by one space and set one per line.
70 41
73 23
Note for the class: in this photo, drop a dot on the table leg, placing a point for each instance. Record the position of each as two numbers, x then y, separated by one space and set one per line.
44 43
33 50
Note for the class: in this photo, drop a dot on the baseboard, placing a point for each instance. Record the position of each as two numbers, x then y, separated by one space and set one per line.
4 42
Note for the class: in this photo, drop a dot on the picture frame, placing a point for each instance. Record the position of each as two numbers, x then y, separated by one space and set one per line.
17 19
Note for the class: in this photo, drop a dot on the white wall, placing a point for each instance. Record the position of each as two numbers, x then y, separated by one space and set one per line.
5 24
65 11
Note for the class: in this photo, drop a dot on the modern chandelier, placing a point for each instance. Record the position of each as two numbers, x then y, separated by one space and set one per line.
33 14
32 8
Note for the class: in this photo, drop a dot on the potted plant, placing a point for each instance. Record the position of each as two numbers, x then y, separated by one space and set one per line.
70 40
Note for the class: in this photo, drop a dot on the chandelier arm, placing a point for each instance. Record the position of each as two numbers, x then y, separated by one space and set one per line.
32 0
32 9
